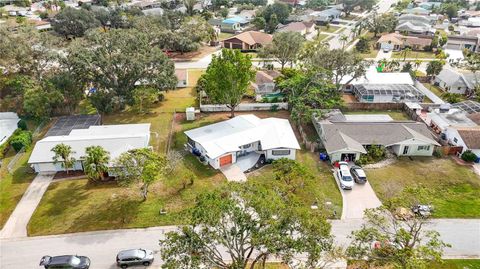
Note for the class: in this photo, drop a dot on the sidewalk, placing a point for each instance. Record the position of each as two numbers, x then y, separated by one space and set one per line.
16 225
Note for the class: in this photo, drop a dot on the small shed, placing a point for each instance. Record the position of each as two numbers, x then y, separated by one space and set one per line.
190 113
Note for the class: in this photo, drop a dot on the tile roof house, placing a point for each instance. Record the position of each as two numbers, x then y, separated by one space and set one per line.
265 81
303 27
251 40
344 140
226 142
116 139
396 41
454 81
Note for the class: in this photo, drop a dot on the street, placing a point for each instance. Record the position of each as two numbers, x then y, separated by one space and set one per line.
102 246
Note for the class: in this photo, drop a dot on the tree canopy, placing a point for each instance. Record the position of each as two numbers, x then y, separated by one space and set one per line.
71 22
284 48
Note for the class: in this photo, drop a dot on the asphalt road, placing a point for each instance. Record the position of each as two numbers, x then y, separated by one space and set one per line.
101 247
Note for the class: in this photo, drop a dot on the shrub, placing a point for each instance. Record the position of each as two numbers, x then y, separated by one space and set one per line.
438 153
274 108
469 156
21 139
374 154
22 124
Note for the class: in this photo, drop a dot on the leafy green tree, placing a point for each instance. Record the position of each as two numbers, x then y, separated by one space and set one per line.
381 23
228 77
405 52
144 98
279 9
469 156
73 22
272 24
363 45
452 98
40 102
189 5
246 224
434 68
20 139
338 63
284 48
140 165
316 4
259 22
117 61
291 173
450 9
387 240
63 153
12 91
95 162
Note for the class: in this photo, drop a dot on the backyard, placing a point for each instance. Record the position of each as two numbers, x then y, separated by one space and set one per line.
436 90
452 189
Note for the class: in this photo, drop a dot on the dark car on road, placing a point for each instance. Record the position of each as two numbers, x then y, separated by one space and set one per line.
130 257
358 174
65 261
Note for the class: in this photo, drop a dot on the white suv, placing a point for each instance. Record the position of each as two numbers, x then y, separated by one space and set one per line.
343 174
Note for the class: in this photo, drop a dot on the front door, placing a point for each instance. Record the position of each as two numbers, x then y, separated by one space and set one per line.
227 159
405 150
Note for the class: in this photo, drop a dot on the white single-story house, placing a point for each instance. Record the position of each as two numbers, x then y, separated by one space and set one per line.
466 137
116 139
346 141
8 125
224 143
456 82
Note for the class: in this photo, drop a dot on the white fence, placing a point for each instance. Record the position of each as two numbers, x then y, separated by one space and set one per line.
245 107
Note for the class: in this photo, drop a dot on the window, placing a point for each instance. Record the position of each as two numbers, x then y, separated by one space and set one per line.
246 146
423 148
280 152
455 140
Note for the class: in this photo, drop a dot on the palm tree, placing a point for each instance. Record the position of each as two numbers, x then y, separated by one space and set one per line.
405 52
344 40
417 64
95 162
63 152
393 65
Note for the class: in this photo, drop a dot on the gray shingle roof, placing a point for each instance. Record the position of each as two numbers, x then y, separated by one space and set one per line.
348 136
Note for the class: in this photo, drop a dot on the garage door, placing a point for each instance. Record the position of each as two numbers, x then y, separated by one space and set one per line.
227 159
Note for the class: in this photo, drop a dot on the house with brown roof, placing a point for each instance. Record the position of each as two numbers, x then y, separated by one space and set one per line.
303 27
265 81
250 40
396 41
466 137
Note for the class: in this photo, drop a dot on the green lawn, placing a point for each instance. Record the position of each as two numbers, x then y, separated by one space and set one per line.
223 36
12 186
436 90
453 190
322 36
329 29
395 114
414 55
372 54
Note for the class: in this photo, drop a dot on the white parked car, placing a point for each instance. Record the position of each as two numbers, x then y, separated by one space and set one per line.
343 174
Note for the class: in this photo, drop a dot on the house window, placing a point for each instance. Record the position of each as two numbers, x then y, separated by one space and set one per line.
246 146
455 140
423 148
281 152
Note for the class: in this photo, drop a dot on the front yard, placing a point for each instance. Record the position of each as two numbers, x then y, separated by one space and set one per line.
414 55
452 189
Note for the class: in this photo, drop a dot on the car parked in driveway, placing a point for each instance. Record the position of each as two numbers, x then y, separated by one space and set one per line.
358 174
131 257
65 261
344 176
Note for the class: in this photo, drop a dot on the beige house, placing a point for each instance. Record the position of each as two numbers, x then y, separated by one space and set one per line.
251 40
303 27
396 42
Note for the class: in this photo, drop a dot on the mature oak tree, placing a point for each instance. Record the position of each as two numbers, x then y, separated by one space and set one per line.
284 48
243 225
227 78
71 22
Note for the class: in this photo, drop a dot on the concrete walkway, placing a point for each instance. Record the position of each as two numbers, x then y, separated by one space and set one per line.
233 173
16 225
356 200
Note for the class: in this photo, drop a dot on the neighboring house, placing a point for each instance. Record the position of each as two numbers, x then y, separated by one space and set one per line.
116 139
417 19
416 30
265 81
430 5
304 27
251 40
182 76
247 15
453 81
377 87
396 41
326 16
226 26
346 141
416 11
40 25
440 119
469 106
461 42
8 125
466 137
144 5
471 22
223 143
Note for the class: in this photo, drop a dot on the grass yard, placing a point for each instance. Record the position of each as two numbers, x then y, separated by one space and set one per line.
395 114
322 36
329 29
414 55
453 190
370 55
12 186
445 264
436 90
223 36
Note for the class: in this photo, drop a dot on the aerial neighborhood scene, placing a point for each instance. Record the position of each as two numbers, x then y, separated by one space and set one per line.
240 134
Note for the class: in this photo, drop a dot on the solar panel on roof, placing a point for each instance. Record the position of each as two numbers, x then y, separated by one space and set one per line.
65 124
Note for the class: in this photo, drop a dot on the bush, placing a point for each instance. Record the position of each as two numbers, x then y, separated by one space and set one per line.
374 154
469 156
438 153
22 124
21 139
274 108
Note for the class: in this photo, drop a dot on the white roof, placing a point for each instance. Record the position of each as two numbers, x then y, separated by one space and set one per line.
372 76
116 139
227 136
8 125
454 117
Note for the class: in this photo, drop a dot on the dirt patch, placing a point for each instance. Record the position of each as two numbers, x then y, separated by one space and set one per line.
349 98
194 55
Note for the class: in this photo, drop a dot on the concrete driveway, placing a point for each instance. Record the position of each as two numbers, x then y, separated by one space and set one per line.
16 225
358 199
233 173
